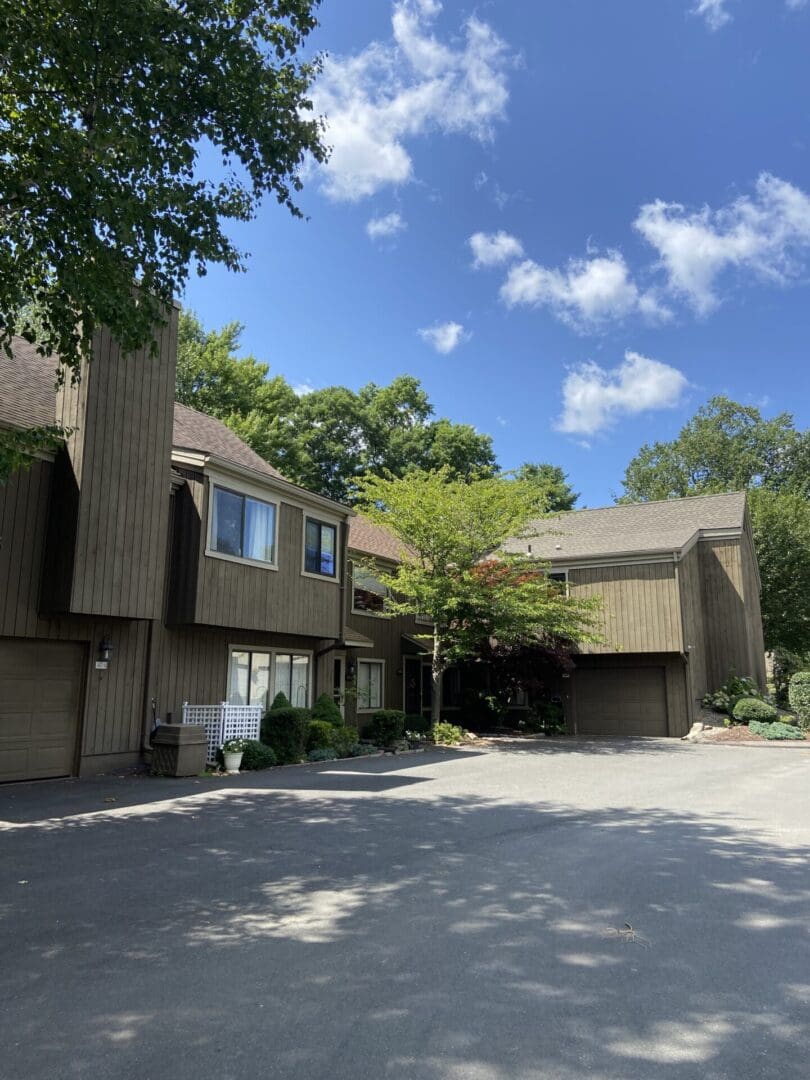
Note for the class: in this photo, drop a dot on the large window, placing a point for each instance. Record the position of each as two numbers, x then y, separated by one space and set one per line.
370 685
320 548
255 677
242 527
368 594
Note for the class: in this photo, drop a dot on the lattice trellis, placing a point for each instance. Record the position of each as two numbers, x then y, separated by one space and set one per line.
223 722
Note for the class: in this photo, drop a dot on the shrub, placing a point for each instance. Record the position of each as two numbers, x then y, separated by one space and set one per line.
280 701
749 708
257 756
445 734
363 749
799 696
285 730
319 735
343 741
322 753
775 731
326 710
386 726
726 697
417 722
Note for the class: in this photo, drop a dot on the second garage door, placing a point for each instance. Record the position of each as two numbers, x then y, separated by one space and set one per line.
621 701
40 697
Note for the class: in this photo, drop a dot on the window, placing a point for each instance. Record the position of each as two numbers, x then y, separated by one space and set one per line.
369 685
558 575
368 594
254 677
320 548
242 527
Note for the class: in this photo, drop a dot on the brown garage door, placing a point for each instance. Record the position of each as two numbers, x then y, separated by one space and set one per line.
621 701
40 695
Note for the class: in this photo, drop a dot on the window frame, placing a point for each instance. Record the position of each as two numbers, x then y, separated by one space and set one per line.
214 485
330 523
364 611
560 576
366 660
273 652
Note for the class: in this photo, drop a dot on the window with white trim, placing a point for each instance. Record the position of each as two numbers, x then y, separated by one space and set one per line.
368 593
255 676
320 548
242 527
370 674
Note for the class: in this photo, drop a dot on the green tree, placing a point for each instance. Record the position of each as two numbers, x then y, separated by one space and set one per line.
238 390
451 529
558 493
104 110
729 447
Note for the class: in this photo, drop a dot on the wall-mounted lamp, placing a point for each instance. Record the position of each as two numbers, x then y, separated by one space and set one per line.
351 669
105 650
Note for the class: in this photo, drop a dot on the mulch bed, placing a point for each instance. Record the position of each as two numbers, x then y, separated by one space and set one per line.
736 734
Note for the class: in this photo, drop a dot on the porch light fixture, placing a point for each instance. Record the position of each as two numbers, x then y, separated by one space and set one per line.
105 650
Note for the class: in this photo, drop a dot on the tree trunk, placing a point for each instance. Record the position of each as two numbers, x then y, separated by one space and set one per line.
437 669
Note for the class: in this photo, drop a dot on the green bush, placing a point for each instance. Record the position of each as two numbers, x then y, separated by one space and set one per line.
285 730
799 696
749 708
257 756
322 753
343 741
280 701
775 731
325 709
445 734
363 749
319 735
386 726
733 689
417 722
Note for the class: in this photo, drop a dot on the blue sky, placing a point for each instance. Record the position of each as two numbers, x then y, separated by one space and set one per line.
574 220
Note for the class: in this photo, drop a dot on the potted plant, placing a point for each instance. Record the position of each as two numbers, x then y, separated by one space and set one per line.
232 750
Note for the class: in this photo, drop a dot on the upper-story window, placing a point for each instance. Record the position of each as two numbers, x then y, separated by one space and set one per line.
320 548
368 594
243 527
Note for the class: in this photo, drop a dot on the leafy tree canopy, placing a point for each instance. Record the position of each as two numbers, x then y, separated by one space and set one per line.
104 109
451 529
559 495
728 447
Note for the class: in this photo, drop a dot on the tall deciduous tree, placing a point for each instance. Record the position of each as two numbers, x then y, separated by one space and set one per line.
449 573
558 493
104 109
728 447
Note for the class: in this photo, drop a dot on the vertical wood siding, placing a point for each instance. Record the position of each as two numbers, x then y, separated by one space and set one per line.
694 634
753 611
640 606
722 598
217 592
121 414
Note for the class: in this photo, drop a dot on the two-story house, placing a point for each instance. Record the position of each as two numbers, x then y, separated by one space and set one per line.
154 560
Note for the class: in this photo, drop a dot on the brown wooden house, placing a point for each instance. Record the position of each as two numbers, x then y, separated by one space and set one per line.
152 561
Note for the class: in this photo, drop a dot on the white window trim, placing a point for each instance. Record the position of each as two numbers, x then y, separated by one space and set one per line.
273 652
238 488
381 662
322 519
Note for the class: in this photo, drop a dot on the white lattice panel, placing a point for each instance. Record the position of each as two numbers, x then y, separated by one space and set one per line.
223 722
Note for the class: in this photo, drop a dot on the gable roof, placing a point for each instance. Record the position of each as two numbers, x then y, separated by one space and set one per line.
371 539
631 528
29 400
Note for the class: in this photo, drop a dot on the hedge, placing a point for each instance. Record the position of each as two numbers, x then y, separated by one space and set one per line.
799 696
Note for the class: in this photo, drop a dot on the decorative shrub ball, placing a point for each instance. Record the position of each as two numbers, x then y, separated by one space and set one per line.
799 696
748 709
285 730
319 735
326 709
386 726
257 756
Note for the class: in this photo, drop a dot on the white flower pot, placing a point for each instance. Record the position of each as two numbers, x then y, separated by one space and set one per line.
232 761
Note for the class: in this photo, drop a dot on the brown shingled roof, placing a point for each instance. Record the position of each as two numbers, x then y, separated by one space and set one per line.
196 431
28 394
631 527
372 539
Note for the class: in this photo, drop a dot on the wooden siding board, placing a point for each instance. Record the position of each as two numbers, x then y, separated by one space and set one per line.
640 612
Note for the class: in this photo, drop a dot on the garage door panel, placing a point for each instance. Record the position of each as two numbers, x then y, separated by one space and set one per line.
40 695
621 701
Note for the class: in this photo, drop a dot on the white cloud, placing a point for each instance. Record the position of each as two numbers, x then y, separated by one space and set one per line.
595 398
304 388
585 293
379 228
378 100
714 12
764 233
493 249
444 337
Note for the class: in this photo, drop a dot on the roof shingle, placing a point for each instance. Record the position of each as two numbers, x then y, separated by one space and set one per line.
371 539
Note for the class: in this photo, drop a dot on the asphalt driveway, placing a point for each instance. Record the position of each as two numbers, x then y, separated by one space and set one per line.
448 916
